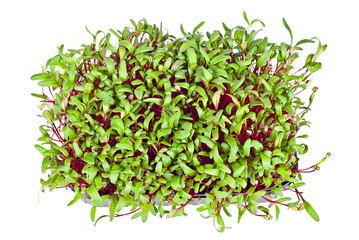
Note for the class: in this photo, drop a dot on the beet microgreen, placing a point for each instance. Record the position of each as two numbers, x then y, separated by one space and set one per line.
151 119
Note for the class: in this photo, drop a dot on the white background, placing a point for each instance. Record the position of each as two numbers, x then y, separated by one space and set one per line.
30 32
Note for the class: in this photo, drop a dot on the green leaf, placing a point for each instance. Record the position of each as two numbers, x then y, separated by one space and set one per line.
218 59
182 30
41 149
321 48
310 210
266 161
161 211
322 160
76 198
110 66
138 188
40 76
246 18
241 211
304 41
167 64
213 38
206 140
94 37
187 170
282 172
216 156
263 209
206 74
127 45
258 194
144 211
216 97
230 181
47 83
98 181
121 203
122 73
314 66
42 96
104 96
113 206
225 210
247 147
213 172
257 20
265 100
201 91
62 150
127 146
237 169
51 152
127 189
202 208
277 191
235 100
71 71
205 55
283 48
47 115
95 196
297 185
111 48
225 27
98 219
177 64
181 134
157 101
222 194
78 151
232 142
88 159
147 120
92 173
220 223
277 211
289 30
158 168
241 182
143 50
264 58
186 45
45 164
93 213
224 168
244 63
67 58
192 58
197 27
257 145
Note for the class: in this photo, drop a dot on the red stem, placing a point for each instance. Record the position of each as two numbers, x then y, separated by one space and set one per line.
57 133
48 101
120 215
68 185
51 93
299 92
274 202
303 111
183 205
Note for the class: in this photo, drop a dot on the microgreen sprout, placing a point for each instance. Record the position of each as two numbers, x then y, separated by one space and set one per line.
144 119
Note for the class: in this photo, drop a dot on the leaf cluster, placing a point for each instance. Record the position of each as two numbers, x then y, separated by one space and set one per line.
154 118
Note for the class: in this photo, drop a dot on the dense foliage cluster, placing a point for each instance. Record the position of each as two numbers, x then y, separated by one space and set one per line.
153 118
